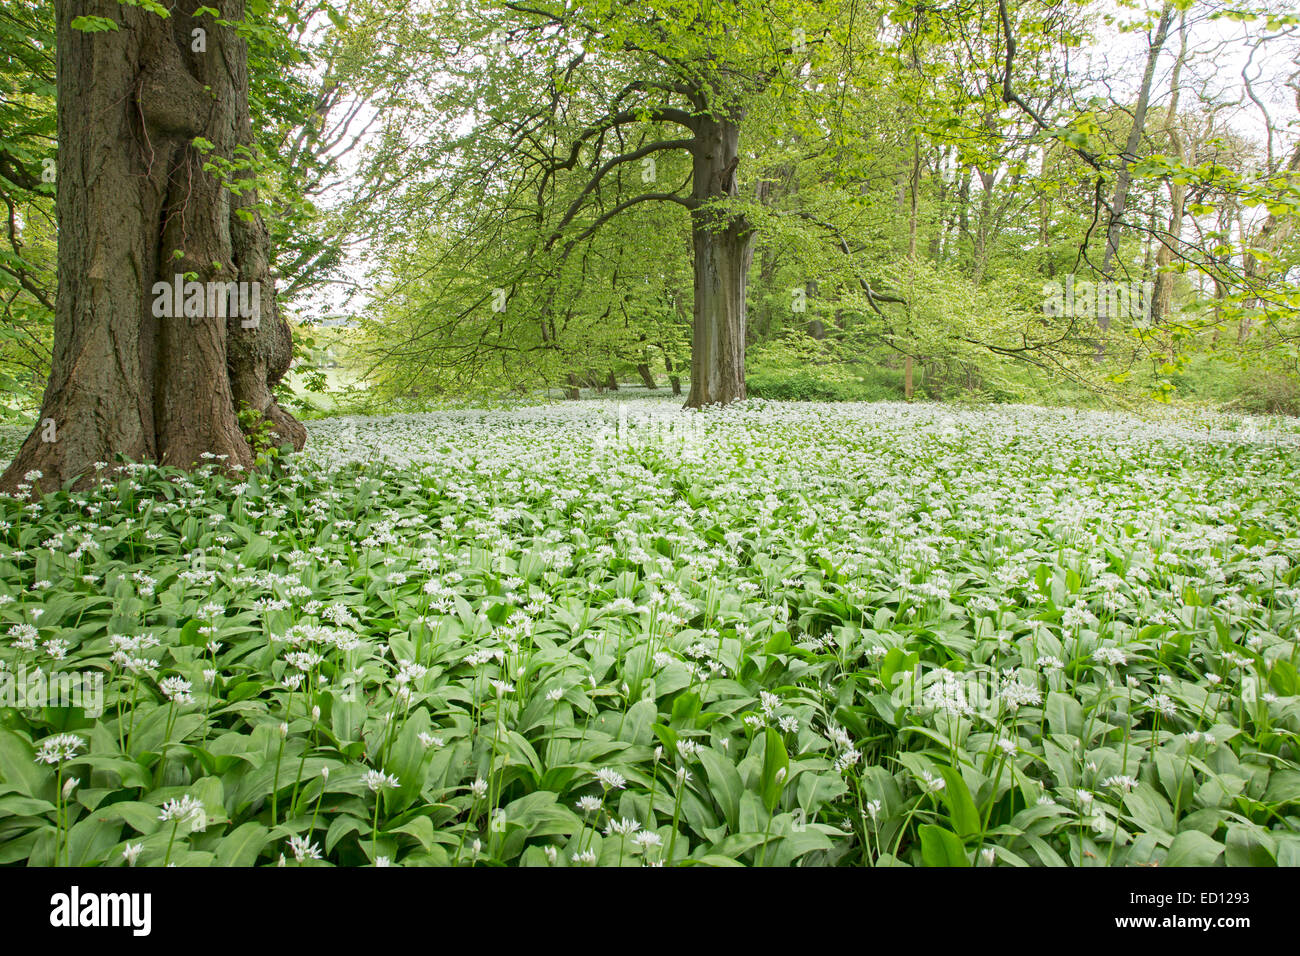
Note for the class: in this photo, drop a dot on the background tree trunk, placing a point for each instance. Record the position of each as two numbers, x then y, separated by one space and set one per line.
674 380
1131 146
647 379
723 249
1163 294
135 207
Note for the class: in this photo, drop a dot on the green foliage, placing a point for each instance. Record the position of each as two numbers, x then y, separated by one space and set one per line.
829 636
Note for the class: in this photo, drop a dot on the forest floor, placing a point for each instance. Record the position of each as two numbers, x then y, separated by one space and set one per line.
614 632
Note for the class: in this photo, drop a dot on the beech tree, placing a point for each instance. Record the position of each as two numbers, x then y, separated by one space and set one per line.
569 104
155 182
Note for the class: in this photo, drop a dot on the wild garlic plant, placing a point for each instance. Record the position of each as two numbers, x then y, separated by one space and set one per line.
798 635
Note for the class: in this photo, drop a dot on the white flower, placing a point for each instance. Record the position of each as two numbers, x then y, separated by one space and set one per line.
185 810
176 689
377 780
58 748
611 779
1110 655
930 783
623 827
303 849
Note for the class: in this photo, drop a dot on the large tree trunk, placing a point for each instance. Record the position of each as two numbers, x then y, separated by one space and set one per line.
136 208
723 248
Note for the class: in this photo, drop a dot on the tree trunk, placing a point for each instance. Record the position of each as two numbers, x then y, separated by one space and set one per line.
573 391
1274 230
913 187
1124 176
984 224
136 209
1163 293
647 379
963 206
674 380
907 379
723 249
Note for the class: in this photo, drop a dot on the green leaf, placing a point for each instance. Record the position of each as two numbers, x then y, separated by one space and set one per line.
725 784
89 24
940 847
242 845
141 817
1283 678
18 766
1064 715
1248 845
961 806
685 708
776 769
1193 848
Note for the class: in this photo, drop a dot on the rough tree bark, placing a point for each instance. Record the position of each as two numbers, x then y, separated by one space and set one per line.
723 244
135 208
